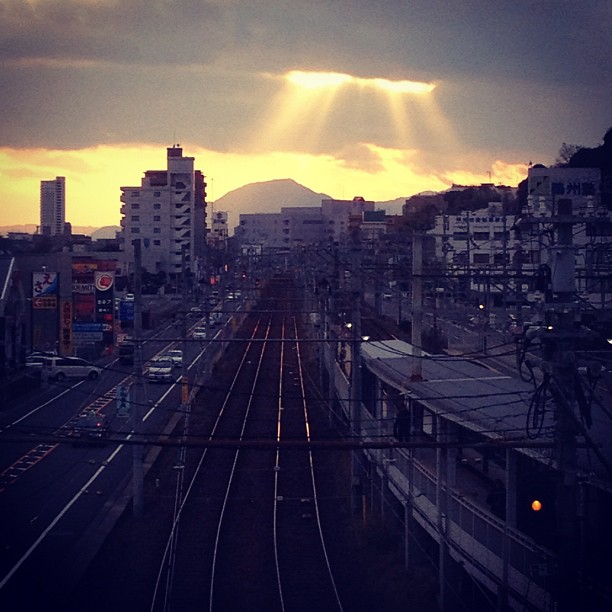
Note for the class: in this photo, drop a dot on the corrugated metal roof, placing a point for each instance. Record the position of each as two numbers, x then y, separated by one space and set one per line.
460 389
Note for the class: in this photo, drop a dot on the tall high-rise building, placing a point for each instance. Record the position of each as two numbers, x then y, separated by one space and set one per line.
53 206
168 214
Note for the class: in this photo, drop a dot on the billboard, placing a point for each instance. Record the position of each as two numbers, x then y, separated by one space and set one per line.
44 290
93 284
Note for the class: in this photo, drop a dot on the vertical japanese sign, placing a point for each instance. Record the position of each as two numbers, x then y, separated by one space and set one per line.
92 301
104 282
45 289
66 327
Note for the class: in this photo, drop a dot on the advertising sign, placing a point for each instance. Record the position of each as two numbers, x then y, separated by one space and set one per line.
92 296
44 284
44 290
66 327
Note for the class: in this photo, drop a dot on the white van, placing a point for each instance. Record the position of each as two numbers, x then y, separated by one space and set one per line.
60 368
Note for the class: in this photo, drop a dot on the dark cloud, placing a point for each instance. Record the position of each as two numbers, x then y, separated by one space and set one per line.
76 73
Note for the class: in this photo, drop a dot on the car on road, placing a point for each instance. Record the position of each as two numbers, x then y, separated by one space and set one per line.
126 353
176 355
215 318
60 368
199 333
90 424
35 360
160 369
195 311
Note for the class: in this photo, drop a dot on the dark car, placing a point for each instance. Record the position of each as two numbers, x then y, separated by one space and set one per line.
126 353
90 425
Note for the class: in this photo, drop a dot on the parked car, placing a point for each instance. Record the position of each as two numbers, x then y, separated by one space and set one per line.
160 369
129 297
199 333
176 355
90 424
60 368
35 361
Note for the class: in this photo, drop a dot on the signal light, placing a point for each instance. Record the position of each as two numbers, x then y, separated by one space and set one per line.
536 505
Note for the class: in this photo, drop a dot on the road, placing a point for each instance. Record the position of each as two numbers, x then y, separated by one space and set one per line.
53 492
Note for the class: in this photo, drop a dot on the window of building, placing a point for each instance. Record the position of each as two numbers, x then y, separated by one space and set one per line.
135 217
156 218
157 242
135 194
135 230
481 258
135 206
481 235
157 230
157 206
157 194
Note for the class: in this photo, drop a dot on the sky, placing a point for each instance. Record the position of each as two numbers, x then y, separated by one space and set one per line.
347 97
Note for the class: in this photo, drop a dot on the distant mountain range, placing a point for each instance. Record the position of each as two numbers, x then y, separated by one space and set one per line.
264 197
96 233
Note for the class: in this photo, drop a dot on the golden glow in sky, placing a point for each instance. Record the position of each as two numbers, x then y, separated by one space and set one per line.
94 176
319 80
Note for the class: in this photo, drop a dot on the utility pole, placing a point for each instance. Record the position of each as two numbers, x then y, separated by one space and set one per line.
183 315
558 345
137 389
564 370
417 306
355 384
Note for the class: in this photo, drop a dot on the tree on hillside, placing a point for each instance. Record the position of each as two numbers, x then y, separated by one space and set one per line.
471 198
566 152
598 157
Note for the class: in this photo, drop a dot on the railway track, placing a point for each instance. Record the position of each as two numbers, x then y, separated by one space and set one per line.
247 531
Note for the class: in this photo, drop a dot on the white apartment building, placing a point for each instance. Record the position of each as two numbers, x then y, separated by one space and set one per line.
167 212
475 239
301 225
487 243
337 214
293 226
53 206
219 233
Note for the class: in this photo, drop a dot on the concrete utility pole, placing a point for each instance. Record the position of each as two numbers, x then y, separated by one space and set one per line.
183 315
137 388
417 306
355 385
564 370
558 345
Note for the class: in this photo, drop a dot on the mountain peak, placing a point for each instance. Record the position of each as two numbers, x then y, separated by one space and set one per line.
266 197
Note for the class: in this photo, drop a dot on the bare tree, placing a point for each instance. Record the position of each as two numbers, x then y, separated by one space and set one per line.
565 154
